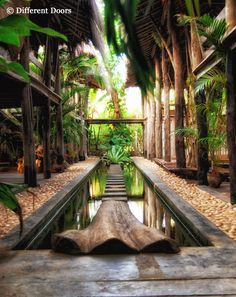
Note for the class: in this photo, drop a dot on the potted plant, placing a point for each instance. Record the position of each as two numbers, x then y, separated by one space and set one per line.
215 143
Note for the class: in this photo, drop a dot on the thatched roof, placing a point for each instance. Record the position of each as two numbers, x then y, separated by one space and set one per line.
81 21
150 15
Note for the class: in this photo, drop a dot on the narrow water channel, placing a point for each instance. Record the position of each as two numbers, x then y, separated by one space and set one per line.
143 203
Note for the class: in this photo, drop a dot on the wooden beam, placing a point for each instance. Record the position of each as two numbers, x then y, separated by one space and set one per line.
114 121
28 126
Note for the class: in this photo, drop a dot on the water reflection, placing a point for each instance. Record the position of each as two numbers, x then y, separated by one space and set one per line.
143 203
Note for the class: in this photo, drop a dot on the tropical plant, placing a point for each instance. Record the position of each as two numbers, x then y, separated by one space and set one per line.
116 155
121 34
9 200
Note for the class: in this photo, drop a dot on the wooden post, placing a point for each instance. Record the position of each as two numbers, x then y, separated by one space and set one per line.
144 102
166 91
151 129
158 121
28 127
202 147
83 152
231 120
59 116
230 10
179 85
47 111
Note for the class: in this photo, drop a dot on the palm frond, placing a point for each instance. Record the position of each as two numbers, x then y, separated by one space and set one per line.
214 78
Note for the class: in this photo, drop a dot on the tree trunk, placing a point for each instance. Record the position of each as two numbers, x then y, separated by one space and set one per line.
179 102
202 147
231 121
230 7
166 90
116 103
114 229
179 87
158 122
28 126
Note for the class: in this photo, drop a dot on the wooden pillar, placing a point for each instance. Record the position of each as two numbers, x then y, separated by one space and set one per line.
179 78
167 148
158 120
231 120
230 11
151 128
83 152
166 93
28 126
59 117
202 147
144 103
47 110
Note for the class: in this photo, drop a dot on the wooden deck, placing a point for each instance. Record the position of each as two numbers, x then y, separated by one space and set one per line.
193 272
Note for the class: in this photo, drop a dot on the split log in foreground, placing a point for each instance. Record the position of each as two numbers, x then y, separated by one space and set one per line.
114 229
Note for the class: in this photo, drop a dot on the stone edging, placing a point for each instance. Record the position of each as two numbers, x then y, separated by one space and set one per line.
205 230
38 219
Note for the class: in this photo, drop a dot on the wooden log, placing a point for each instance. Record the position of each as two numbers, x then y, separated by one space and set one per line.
166 90
200 99
114 229
158 120
27 117
47 111
230 8
231 121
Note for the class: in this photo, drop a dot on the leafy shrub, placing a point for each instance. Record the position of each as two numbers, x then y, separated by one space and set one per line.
116 155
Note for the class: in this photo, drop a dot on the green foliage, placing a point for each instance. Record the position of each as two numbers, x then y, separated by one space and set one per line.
116 155
125 39
213 30
8 199
12 28
194 7
6 66
187 132
214 80
15 26
133 180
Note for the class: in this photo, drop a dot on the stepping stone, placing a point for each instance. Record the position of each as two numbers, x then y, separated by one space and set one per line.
115 186
118 194
115 190
115 180
115 199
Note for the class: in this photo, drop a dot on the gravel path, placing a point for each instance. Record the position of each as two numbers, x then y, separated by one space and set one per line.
221 213
47 188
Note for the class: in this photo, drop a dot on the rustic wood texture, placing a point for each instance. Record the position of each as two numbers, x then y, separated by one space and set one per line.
193 272
28 129
114 229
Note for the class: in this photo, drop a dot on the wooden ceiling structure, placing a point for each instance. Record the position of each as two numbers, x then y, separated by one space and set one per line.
80 22
149 18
